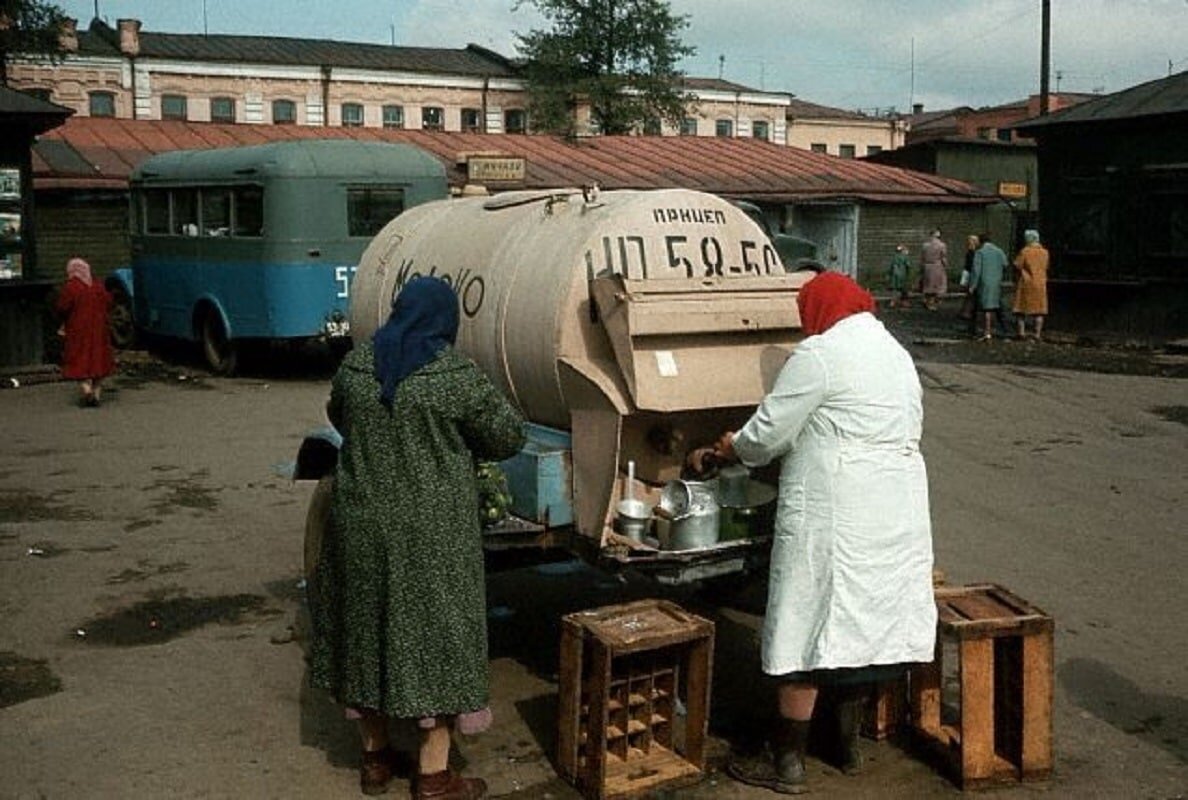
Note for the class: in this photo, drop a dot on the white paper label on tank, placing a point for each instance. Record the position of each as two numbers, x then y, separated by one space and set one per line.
666 363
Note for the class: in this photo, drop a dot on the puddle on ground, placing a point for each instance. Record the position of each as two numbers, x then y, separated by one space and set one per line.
1172 413
158 619
24 679
21 505
287 588
184 493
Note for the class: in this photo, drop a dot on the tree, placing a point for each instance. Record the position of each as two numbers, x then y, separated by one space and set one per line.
620 56
29 27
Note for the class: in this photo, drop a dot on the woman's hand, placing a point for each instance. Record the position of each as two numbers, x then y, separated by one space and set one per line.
700 460
724 447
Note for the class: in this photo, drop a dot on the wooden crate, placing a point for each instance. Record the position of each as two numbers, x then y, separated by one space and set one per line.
623 669
1004 727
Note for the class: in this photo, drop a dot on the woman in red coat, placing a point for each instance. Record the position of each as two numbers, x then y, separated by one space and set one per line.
88 355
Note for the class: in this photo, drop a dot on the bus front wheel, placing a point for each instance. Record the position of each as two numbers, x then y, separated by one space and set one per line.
220 351
120 321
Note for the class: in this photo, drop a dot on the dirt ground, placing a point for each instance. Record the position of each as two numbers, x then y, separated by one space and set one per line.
150 555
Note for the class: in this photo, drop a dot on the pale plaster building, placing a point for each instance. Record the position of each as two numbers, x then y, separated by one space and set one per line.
125 72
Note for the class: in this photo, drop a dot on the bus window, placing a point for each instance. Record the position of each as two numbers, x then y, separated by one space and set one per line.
156 211
370 209
185 212
216 212
249 211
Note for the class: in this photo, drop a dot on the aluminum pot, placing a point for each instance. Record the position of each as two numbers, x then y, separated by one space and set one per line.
753 517
688 516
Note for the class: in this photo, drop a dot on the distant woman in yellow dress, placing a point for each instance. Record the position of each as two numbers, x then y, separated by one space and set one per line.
1031 290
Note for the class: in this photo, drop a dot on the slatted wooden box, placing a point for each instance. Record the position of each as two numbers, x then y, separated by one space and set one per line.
1004 726
623 669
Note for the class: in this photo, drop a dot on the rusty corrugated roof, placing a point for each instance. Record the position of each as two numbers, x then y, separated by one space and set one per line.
748 168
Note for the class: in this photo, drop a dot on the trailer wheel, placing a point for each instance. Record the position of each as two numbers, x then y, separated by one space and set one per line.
222 354
120 322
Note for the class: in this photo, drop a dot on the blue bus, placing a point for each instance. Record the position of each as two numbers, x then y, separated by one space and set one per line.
260 242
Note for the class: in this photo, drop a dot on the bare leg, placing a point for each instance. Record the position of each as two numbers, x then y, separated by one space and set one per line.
373 730
434 754
796 700
1039 326
1021 320
989 330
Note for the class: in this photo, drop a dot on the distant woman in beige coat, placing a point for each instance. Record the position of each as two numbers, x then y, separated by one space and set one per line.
1031 291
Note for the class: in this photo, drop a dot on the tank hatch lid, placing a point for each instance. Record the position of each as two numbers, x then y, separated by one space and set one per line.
684 344
512 199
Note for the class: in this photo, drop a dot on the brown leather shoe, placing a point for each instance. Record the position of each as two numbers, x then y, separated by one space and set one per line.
448 785
378 769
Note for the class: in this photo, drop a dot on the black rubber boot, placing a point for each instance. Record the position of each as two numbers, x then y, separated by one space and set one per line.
850 708
783 770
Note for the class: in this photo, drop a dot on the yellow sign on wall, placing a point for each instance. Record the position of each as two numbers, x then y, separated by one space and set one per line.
485 168
1012 190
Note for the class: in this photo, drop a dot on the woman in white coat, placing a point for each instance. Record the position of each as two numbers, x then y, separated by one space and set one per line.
850 598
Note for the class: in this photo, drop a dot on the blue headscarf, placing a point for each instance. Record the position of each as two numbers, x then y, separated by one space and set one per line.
424 320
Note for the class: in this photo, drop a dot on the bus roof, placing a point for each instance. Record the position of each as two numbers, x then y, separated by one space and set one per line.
313 158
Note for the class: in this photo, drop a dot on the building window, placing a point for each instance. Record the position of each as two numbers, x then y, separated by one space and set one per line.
433 118
689 126
222 109
40 94
651 127
846 150
515 120
472 120
819 147
724 127
984 133
761 130
101 104
874 149
173 106
393 116
1003 134
352 115
284 112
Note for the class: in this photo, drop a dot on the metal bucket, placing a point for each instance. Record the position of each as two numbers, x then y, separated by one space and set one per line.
688 515
753 517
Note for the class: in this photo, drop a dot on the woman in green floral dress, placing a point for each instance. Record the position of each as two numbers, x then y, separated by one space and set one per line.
399 605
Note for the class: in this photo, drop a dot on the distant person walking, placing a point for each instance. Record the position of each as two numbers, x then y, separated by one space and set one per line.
985 283
934 270
898 275
87 356
967 302
1031 292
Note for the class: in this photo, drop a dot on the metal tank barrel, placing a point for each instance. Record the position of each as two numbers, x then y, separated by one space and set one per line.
632 318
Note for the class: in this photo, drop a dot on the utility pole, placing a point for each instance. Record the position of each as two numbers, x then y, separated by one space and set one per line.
912 86
1045 54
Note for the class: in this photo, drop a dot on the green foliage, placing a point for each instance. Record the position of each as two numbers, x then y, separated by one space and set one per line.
28 27
494 496
620 56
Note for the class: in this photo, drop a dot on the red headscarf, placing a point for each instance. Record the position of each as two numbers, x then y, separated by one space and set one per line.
829 298
77 268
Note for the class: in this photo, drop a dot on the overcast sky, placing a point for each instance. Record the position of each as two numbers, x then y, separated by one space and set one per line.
846 53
